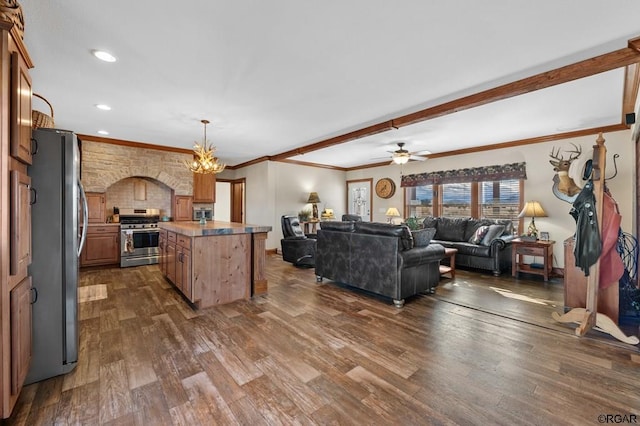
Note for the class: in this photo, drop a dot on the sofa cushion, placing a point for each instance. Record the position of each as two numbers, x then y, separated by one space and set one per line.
423 237
430 222
387 229
473 225
479 234
451 228
338 226
494 232
466 249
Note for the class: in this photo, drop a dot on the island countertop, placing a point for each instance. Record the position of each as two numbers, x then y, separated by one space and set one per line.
213 227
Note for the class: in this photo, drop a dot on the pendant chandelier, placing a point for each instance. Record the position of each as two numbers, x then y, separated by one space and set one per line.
203 159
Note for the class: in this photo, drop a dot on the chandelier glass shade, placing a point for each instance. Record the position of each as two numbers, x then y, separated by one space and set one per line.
401 157
203 159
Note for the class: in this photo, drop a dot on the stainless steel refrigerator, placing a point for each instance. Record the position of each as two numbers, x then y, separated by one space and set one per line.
56 245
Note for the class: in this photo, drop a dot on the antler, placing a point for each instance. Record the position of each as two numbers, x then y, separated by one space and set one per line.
577 151
556 155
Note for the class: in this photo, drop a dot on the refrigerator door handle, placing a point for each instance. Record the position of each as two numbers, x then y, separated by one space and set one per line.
85 218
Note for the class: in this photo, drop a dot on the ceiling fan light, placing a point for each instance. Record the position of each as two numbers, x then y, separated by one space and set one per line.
400 159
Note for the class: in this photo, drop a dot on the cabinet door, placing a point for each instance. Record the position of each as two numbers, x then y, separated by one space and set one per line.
20 333
20 109
101 248
96 205
204 188
186 273
20 223
162 248
182 208
171 261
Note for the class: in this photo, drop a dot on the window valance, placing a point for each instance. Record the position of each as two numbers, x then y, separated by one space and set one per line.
473 174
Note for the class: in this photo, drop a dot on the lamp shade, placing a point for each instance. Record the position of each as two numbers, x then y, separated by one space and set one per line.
402 158
392 211
313 198
532 209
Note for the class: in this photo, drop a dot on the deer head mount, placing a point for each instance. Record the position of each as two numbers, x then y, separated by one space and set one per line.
561 166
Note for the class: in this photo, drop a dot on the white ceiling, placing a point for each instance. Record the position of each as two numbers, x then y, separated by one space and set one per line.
272 76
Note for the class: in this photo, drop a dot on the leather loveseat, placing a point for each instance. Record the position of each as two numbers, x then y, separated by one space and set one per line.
481 243
377 257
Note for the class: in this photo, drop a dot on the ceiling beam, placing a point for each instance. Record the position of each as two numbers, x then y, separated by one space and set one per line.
336 140
630 91
142 145
586 68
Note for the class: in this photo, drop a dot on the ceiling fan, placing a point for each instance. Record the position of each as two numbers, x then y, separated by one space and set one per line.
402 156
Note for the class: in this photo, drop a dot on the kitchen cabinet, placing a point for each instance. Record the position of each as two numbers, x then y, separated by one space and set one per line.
15 232
177 262
183 265
102 246
162 248
182 208
204 188
20 109
20 333
171 257
20 253
96 206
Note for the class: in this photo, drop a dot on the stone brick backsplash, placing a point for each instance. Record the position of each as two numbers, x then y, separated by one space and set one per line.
104 164
121 194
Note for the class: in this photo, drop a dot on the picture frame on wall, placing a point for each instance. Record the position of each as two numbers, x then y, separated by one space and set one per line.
544 236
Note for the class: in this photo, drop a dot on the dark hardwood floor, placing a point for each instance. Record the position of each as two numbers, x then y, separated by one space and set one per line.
309 353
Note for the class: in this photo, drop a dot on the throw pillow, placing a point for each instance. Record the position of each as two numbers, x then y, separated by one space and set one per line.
494 232
423 237
479 234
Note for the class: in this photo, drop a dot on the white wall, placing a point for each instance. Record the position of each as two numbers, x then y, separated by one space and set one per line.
559 223
274 189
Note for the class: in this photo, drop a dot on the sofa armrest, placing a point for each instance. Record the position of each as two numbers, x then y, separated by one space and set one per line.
421 255
501 243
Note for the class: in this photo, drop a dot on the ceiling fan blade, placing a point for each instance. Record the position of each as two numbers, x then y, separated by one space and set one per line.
416 158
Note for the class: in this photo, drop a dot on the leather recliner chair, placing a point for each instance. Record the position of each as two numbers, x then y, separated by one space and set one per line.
297 248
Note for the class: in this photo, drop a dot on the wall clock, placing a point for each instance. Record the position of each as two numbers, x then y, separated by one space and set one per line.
385 188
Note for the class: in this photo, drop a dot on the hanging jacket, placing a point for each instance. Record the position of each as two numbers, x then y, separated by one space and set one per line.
588 244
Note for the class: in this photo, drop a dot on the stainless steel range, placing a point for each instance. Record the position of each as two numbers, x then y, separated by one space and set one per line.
139 237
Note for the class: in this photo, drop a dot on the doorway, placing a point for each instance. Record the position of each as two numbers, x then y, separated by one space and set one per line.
230 200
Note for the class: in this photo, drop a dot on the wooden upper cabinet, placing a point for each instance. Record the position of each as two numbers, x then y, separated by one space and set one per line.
20 256
20 102
182 208
204 188
96 204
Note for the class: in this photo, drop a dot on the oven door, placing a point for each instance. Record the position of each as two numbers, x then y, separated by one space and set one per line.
139 242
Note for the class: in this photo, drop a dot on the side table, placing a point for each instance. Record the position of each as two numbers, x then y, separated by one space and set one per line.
310 226
539 248
451 269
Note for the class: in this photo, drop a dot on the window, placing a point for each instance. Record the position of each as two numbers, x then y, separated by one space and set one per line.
456 200
419 201
500 199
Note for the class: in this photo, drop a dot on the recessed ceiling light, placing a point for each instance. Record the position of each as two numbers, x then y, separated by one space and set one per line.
103 132
104 56
103 107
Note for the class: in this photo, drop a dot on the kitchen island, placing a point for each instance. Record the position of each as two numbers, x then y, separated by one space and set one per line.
215 263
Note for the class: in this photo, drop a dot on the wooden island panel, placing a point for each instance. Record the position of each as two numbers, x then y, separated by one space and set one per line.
221 269
227 261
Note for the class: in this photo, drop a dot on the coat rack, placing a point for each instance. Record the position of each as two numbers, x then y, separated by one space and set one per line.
589 317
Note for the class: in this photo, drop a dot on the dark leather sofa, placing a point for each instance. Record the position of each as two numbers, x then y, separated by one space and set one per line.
377 257
491 253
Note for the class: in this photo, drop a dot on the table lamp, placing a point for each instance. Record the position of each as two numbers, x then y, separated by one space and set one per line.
314 199
391 213
532 209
